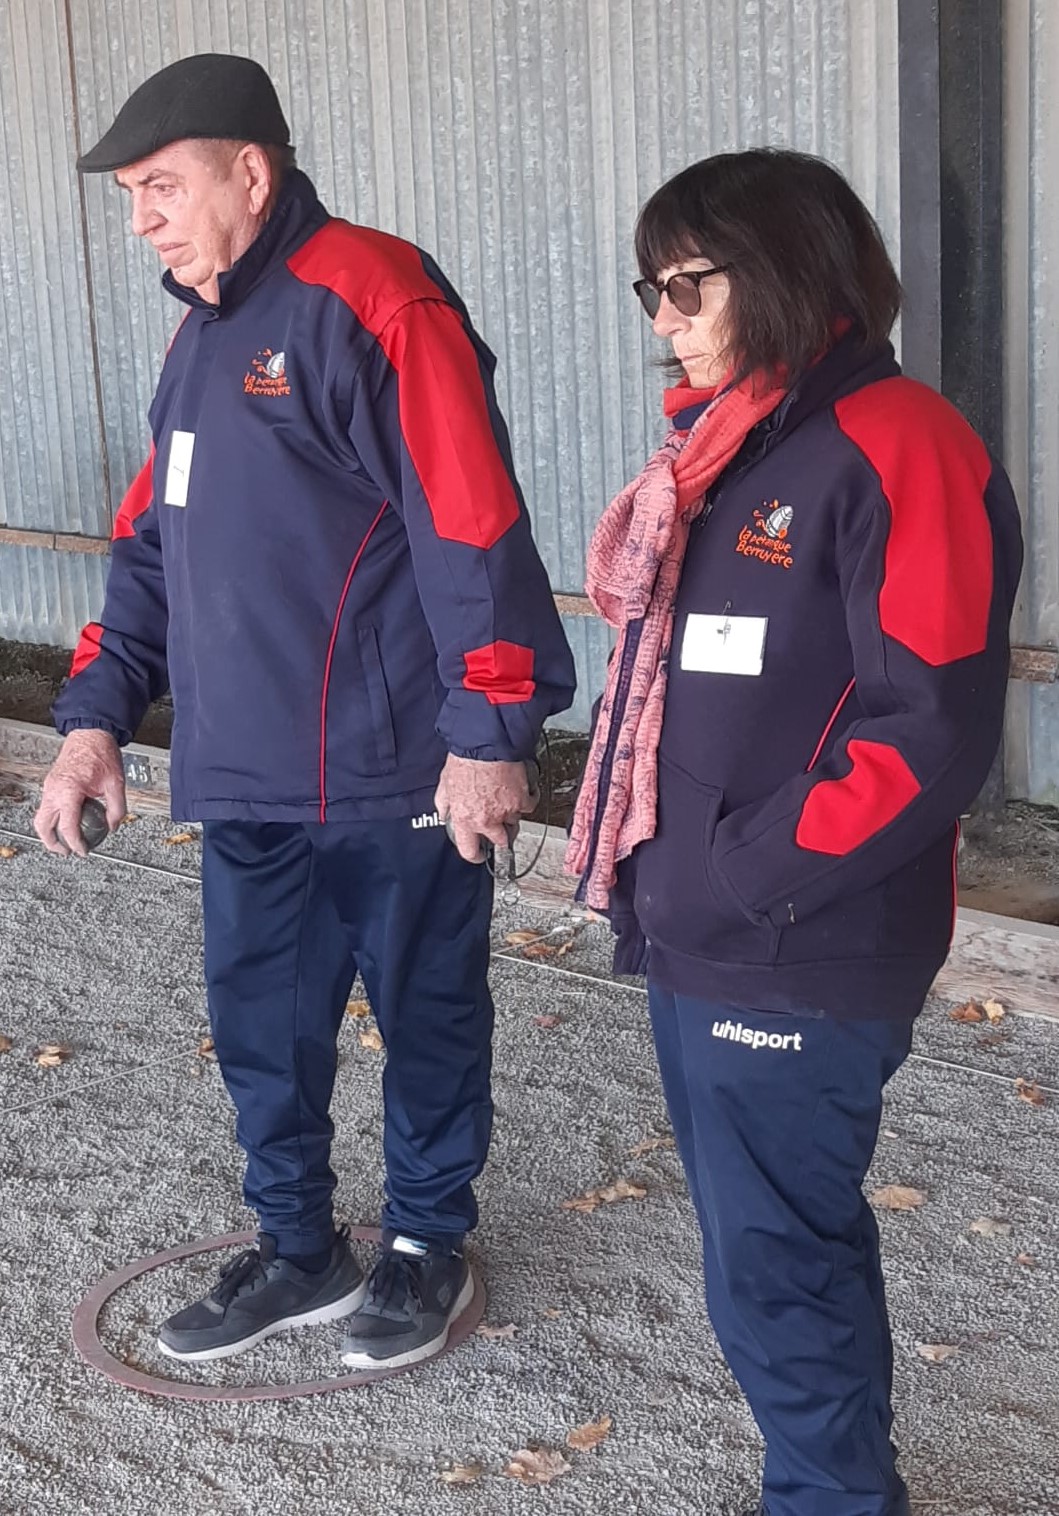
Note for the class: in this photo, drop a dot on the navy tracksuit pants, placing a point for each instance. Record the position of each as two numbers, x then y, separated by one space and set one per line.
291 911
776 1117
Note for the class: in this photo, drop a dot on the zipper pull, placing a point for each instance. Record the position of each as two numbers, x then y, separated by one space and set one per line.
790 912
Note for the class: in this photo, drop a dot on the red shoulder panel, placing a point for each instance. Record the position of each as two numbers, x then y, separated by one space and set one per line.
444 417
938 582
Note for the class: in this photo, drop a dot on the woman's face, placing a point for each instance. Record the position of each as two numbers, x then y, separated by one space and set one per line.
698 341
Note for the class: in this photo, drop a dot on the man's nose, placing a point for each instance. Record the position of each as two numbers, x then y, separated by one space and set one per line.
143 219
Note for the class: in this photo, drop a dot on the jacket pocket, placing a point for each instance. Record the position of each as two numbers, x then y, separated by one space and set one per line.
677 903
379 754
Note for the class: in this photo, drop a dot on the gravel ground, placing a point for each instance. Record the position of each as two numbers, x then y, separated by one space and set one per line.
127 1148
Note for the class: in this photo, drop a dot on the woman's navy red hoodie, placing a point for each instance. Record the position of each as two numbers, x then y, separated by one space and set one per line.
808 814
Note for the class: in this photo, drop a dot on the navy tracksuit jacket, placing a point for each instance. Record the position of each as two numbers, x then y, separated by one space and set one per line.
326 556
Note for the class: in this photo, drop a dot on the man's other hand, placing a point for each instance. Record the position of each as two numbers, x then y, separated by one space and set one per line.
89 765
482 800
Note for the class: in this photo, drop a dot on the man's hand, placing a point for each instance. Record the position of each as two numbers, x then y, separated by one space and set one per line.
482 799
89 765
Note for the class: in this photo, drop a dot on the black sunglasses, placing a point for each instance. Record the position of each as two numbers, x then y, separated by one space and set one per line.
683 290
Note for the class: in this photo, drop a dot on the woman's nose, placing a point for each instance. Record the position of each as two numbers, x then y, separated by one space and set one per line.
668 320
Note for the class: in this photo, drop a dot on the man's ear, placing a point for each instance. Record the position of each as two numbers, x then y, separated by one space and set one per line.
257 171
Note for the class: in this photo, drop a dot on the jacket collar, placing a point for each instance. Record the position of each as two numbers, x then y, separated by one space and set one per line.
298 214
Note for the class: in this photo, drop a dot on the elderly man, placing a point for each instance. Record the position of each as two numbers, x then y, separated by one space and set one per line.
327 559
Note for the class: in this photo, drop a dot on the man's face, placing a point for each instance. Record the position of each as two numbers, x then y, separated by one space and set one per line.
199 205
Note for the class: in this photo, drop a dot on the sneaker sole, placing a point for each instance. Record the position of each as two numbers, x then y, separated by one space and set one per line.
344 1306
425 1349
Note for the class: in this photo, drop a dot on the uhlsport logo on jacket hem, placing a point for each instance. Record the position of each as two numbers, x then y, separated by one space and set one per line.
429 818
267 374
767 540
776 1042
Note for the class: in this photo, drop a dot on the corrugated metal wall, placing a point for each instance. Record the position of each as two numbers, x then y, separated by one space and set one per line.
514 140
1031 423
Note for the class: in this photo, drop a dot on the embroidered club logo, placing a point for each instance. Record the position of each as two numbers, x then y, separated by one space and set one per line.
768 540
267 374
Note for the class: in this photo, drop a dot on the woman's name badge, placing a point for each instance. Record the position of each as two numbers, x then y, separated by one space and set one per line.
724 644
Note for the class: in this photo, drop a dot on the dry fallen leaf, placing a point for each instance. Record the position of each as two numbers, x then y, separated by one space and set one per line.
522 939
970 1012
1027 1260
897 1197
607 1194
6 1044
566 948
129 819
590 1435
989 1226
372 1039
52 1054
546 1023
206 1049
994 1010
537 1466
652 1145
8 852
498 1334
540 950
992 1042
936 1352
358 1009
550 1313
1030 1091
179 839
461 1473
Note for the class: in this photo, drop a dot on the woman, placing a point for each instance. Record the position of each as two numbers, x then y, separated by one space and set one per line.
812 581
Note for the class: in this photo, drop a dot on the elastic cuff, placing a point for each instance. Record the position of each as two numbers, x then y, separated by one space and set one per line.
92 724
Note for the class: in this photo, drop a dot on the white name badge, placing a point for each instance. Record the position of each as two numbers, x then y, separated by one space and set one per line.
181 448
724 644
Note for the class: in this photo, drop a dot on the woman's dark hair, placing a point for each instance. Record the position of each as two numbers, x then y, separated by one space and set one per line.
804 254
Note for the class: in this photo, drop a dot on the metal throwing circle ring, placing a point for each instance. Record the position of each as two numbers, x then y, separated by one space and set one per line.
87 1343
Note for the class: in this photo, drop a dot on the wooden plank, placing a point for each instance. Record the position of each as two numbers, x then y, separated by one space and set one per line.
56 542
1038 665
15 536
574 605
72 542
27 752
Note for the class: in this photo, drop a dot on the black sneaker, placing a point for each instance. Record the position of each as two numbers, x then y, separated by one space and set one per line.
414 1296
259 1294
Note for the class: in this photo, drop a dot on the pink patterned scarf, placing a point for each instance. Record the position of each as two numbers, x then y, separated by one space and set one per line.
634 566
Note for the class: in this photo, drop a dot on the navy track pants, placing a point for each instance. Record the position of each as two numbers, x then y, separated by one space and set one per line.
291 911
776 1118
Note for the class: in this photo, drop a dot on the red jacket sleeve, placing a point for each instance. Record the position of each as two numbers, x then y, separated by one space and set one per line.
119 665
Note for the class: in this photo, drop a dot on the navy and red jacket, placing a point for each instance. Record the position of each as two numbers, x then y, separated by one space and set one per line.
808 815
326 557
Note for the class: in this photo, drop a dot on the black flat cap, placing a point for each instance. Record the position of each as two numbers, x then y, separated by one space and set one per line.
209 95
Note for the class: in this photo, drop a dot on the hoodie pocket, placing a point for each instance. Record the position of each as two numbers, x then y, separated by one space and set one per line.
379 754
677 902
